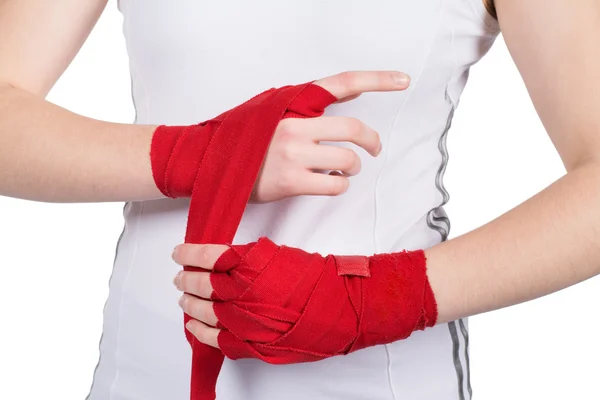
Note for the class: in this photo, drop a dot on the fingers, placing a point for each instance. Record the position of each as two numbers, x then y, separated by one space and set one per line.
318 184
196 283
198 255
199 309
354 83
337 129
322 157
350 98
204 333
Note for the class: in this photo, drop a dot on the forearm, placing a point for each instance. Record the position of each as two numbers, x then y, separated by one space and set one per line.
541 246
50 154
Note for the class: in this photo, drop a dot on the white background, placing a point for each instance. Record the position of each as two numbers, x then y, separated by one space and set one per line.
55 260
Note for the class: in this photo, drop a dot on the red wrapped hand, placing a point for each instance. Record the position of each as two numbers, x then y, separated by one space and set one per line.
284 305
218 161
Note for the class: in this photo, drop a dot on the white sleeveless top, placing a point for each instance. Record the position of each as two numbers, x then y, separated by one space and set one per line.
190 60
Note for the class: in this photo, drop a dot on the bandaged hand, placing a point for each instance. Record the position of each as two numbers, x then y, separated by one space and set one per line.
224 162
284 305
277 130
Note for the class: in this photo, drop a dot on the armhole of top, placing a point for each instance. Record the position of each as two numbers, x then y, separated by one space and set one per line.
490 7
486 12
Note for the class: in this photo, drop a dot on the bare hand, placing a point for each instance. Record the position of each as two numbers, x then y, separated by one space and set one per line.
295 152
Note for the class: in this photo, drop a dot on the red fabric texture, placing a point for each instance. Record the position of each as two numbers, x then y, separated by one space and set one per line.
284 305
217 163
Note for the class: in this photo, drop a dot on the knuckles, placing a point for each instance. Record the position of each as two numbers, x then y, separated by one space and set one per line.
204 313
184 281
203 256
349 161
289 151
338 186
354 129
204 286
196 283
286 141
285 130
286 181
346 80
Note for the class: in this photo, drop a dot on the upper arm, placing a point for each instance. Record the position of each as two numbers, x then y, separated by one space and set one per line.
40 38
555 46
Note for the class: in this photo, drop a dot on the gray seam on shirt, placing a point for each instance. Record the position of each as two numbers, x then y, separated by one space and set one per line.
465 334
441 224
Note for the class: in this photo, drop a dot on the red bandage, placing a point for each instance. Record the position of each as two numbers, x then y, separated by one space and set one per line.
217 163
284 305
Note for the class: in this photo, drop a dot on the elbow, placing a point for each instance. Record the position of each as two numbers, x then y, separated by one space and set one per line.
591 160
37 89
583 154
588 170
5 87
5 90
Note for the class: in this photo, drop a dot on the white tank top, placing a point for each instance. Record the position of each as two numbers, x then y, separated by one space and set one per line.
190 60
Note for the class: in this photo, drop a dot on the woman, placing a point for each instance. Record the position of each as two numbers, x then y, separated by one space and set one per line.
190 62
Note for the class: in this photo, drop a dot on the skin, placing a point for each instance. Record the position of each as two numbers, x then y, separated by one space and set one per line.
522 263
50 154
545 244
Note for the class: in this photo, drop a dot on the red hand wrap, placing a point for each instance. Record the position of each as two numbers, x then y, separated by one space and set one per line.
283 305
217 163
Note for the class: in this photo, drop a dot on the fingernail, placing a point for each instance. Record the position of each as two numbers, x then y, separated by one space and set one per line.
379 150
175 251
188 326
181 301
401 79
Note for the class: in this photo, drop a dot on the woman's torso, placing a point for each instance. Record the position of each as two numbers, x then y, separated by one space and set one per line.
190 61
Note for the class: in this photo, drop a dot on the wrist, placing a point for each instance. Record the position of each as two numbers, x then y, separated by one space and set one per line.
443 283
176 153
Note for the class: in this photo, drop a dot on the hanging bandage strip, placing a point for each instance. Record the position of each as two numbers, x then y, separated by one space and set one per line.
216 163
